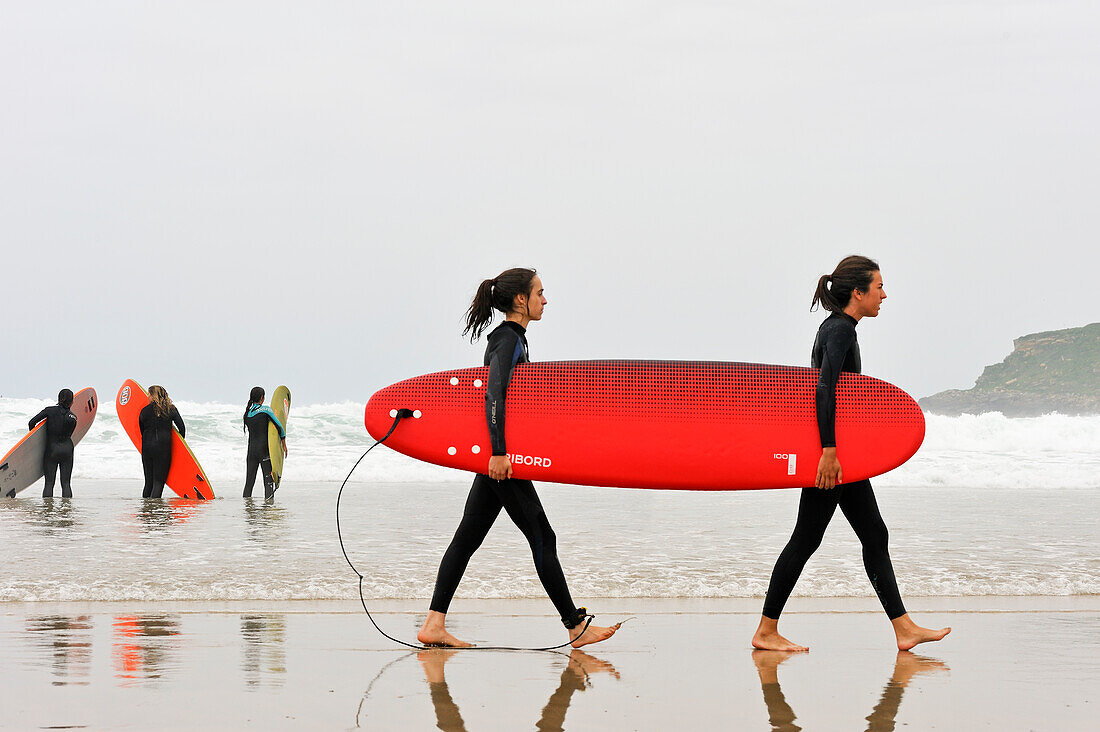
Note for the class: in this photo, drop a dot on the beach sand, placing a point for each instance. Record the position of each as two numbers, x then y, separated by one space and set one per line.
1010 664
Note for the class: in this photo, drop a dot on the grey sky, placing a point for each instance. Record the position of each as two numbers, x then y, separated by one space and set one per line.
214 195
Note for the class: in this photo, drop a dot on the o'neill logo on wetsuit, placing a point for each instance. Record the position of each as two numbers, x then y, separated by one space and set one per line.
538 462
124 396
792 461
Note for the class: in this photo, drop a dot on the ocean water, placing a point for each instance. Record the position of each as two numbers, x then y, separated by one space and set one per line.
988 506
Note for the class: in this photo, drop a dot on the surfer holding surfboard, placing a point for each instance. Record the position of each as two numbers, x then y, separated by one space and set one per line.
155 423
256 419
853 291
60 425
517 293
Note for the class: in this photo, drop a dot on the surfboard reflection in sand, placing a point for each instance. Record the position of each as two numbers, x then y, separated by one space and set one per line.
145 647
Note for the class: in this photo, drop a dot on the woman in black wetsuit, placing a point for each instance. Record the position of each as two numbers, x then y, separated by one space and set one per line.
852 292
518 294
256 418
60 423
155 422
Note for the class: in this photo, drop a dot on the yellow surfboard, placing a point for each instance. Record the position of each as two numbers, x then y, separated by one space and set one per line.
280 404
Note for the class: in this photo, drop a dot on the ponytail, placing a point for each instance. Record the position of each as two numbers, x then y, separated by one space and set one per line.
834 291
256 396
498 293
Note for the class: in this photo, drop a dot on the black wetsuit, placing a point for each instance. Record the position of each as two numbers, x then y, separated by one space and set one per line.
507 346
60 423
835 350
258 451
156 447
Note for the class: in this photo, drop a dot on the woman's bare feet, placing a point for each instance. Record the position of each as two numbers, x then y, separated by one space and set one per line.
591 634
910 634
767 638
434 633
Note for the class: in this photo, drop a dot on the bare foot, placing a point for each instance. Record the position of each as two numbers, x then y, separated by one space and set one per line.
434 633
592 634
909 634
767 638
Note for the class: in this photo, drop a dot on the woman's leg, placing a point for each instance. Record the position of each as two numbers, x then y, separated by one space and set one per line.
49 469
815 509
482 509
858 503
525 509
861 509
65 463
251 465
148 467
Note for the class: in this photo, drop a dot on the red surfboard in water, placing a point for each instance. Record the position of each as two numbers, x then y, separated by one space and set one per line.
686 425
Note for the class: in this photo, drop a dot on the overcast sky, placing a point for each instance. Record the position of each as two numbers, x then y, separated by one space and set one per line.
215 195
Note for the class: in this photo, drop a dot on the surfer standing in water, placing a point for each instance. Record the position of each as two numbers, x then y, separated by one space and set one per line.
518 294
256 418
60 424
853 291
155 422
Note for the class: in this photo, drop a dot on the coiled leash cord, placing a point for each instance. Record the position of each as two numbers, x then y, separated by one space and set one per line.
403 414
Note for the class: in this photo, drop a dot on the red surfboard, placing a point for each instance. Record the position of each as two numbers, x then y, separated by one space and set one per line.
688 425
185 475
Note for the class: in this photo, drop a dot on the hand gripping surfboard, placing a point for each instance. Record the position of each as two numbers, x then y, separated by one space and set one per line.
685 425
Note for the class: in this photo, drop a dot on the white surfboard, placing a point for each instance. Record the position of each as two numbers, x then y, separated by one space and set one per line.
22 466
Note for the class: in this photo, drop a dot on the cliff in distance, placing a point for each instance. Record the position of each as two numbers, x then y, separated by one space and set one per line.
1056 371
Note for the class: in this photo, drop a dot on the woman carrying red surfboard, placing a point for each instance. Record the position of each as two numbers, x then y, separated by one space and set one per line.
518 294
155 421
853 291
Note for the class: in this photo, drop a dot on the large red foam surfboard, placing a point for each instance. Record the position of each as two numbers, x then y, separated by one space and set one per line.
653 424
185 475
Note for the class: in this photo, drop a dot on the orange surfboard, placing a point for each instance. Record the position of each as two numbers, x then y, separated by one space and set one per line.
185 476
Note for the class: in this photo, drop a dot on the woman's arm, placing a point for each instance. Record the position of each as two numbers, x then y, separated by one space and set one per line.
36 419
502 357
834 351
178 420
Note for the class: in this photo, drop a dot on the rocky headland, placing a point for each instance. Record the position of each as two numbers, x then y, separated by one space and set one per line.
1056 371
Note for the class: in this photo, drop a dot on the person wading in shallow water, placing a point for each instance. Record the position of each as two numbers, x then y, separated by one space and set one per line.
60 424
155 421
852 292
518 294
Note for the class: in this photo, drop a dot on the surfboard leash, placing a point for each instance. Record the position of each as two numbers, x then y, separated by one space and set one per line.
403 414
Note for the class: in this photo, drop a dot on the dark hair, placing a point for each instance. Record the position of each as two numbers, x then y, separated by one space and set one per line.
256 396
834 290
65 398
498 293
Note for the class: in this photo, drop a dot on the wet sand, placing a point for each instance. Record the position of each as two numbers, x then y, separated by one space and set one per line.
1010 664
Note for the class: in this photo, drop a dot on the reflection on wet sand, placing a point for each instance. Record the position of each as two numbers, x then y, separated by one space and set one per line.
575 677
67 640
145 647
263 518
49 513
264 649
160 513
882 717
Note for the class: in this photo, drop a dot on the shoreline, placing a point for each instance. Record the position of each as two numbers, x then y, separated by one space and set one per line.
535 607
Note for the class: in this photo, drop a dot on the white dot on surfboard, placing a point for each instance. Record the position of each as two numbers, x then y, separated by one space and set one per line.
393 412
451 451
418 414
454 381
475 449
477 383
